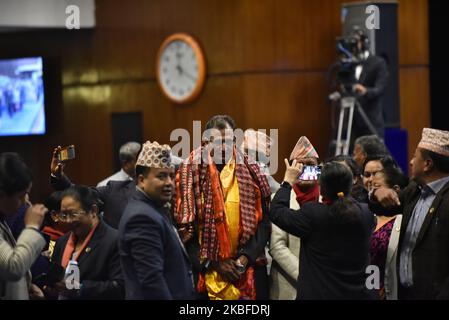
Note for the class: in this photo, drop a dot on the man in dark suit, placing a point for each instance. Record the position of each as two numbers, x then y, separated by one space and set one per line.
424 241
154 261
114 195
372 79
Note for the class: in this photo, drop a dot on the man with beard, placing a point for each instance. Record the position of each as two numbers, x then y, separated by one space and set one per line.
225 199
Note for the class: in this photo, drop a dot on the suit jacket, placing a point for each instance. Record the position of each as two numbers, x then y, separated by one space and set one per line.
430 256
333 257
100 273
391 277
374 77
118 176
16 259
284 248
114 195
154 261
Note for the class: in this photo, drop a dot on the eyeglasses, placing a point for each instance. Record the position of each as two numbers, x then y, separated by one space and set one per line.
368 174
65 215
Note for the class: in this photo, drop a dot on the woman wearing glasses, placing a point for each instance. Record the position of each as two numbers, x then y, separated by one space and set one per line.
385 238
372 166
90 246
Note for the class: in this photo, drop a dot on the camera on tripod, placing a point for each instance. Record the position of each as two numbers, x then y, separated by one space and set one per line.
349 59
353 51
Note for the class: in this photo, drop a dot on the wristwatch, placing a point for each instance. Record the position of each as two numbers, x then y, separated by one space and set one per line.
206 265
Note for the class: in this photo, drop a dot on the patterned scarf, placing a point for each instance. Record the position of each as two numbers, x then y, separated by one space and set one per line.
199 195
310 195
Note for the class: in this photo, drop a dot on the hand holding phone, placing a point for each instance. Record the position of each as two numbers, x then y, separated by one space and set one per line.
59 157
292 171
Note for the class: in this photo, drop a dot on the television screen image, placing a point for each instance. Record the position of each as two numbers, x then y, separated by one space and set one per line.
22 107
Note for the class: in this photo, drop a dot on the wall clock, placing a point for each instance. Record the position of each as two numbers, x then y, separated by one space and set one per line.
181 68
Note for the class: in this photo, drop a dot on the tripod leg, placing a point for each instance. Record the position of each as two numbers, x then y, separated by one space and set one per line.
366 119
348 136
338 148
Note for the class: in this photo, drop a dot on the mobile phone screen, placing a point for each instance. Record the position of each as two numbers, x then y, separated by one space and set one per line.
67 153
310 173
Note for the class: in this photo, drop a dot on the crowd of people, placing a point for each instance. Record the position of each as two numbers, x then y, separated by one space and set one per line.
217 226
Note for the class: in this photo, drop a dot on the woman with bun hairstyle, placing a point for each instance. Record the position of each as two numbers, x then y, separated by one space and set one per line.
335 235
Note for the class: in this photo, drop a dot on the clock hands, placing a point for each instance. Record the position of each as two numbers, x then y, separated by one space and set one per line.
188 75
181 72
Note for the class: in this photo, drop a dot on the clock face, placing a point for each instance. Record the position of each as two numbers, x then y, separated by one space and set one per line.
181 68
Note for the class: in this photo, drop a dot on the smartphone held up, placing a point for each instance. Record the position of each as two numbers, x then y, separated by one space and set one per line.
66 153
310 173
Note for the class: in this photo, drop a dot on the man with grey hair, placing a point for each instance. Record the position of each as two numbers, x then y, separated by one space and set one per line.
366 147
127 155
257 145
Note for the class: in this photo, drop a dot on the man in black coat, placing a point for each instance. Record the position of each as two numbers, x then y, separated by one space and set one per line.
370 87
154 261
423 264
372 78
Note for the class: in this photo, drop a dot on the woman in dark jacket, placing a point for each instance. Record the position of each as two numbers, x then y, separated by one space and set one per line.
91 245
335 235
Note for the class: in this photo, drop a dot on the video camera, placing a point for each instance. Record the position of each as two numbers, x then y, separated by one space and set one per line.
350 56
348 60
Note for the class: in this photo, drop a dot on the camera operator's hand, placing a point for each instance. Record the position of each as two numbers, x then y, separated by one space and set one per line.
292 172
360 89
34 216
56 167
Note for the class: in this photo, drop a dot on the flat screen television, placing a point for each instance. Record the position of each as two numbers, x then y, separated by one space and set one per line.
22 101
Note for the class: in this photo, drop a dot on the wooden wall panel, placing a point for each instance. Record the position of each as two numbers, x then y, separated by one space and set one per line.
415 111
414 69
413 26
267 62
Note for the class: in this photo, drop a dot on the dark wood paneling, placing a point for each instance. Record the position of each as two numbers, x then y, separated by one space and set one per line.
414 69
415 111
413 32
